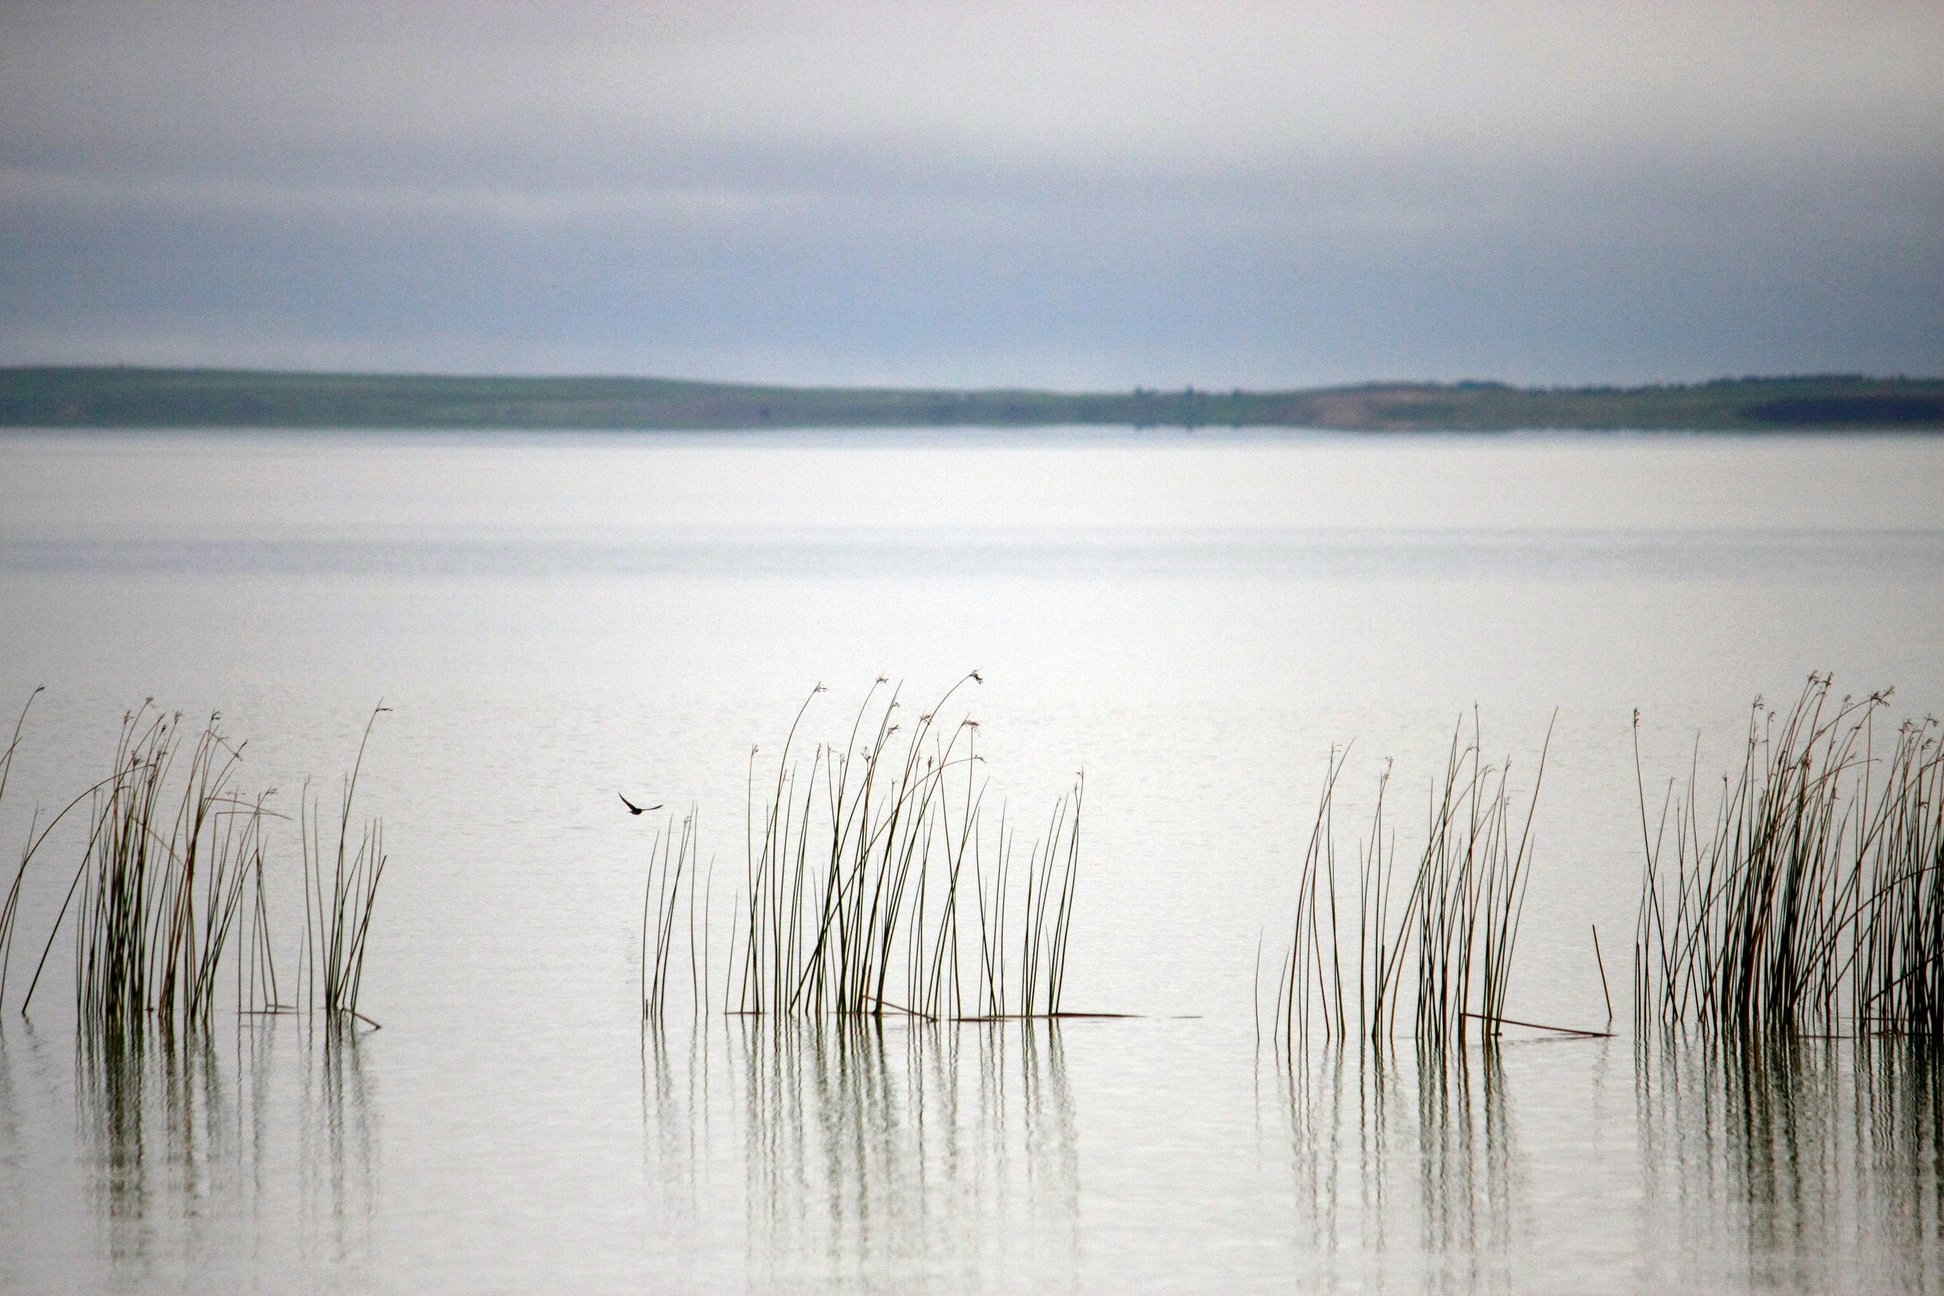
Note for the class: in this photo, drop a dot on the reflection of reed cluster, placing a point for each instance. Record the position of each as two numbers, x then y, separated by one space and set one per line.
165 1110
1375 1130
870 888
870 1139
168 903
1830 1150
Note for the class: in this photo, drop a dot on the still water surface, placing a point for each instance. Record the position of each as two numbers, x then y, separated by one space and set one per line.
1195 621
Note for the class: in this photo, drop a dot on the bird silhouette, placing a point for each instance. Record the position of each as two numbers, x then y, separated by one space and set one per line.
635 809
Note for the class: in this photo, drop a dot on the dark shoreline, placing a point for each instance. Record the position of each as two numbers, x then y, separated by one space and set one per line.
128 397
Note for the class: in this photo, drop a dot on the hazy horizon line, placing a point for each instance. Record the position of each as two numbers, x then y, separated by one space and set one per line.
1374 383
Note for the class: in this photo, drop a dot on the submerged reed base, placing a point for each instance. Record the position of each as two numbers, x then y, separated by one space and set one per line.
1811 902
870 888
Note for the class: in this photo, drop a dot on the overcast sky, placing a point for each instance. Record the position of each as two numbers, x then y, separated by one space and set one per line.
1049 193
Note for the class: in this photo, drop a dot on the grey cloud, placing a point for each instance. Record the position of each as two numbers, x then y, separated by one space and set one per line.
1157 87
1149 283
1071 192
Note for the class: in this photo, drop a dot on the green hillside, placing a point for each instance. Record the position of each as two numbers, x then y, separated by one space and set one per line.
222 398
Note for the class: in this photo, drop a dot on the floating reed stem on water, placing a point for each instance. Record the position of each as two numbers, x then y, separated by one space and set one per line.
1811 901
1444 950
869 889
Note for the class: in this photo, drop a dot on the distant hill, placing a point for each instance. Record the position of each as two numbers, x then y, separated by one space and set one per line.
235 398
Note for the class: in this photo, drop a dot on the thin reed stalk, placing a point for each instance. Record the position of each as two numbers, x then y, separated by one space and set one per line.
671 863
10 907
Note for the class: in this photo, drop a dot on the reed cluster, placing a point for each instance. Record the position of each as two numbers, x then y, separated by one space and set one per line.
671 862
1438 958
169 900
1811 901
338 907
162 882
869 887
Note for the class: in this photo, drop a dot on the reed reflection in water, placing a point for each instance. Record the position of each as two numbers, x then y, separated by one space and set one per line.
185 1144
1805 1166
1008 1156
187 1120
1825 1154
879 1154
1406 1153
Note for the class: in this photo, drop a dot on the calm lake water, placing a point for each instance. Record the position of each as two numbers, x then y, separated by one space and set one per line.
1195 621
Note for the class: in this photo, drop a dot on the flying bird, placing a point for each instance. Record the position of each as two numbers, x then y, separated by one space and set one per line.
635 809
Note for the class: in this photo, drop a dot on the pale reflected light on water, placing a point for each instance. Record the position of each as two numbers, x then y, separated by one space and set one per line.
1805 1167
876 1155
1825 1154
237 1153
1195 622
